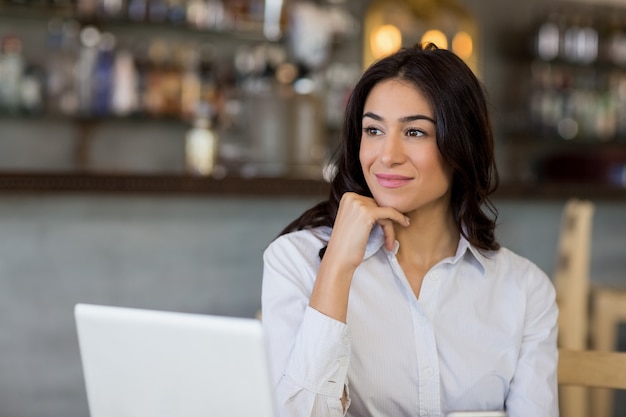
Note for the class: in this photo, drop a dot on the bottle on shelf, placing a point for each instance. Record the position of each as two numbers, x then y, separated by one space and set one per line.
103 76
201 143
162 91
191 83
153 100
176 11
615 42
12 66
31 90
211 14
62 43
124 95
549 37
90 38
110 9
137 10
579 94
157 11
86 9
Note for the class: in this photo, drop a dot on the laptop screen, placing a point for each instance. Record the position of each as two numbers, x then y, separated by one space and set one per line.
147 363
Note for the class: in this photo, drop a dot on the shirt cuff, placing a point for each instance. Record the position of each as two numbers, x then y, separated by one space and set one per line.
321 355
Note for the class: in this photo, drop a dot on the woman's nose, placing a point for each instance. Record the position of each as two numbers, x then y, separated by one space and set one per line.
392 152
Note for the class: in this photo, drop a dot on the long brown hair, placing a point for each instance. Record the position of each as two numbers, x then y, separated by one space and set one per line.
464 138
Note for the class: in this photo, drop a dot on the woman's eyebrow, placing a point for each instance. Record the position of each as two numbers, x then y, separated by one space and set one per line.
417 117
402 119
372 116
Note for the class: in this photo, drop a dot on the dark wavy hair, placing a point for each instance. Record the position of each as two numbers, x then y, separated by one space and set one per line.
464 138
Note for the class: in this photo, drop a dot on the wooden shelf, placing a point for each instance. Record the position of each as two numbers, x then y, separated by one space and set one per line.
560 191
159 184
13 182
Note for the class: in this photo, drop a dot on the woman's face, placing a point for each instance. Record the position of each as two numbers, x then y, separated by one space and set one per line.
399 156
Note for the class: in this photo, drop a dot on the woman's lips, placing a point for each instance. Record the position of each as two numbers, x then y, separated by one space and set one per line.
392 181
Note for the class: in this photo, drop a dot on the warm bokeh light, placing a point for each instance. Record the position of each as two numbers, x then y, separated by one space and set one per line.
462 45
286 73
437 37
385 40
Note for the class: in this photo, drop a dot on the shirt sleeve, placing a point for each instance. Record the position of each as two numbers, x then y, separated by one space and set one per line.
533 390
309 351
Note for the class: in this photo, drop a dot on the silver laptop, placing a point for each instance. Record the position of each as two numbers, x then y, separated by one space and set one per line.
146 363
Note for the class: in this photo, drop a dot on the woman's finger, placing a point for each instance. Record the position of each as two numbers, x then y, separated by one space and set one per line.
388 232
355 218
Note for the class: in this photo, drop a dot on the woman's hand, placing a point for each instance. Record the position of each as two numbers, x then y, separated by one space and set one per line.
355 218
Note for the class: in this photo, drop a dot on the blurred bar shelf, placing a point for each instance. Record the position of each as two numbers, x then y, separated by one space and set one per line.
243 30
556 191
172 184
159 184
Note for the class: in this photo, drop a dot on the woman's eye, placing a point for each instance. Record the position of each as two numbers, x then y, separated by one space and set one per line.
372 131
415 132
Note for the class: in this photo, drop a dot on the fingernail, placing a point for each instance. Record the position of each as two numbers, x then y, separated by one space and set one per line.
408 221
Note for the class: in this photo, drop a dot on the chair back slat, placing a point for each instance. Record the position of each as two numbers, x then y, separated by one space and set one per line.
571 279
571 276
592 369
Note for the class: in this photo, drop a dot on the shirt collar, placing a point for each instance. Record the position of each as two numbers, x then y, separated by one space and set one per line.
464 250
472 254
376 241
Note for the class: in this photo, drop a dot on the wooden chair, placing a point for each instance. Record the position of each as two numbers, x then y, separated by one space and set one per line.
608 310
588 313
571 279
592 369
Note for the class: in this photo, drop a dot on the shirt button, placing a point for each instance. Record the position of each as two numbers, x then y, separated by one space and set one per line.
429 371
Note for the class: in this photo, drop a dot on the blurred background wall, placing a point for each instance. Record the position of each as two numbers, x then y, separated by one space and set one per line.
201 252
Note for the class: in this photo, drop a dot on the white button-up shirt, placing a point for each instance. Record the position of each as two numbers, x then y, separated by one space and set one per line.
481 335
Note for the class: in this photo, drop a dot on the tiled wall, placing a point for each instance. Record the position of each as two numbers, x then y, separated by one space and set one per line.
196 254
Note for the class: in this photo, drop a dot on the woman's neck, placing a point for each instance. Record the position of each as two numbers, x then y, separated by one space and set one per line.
429 238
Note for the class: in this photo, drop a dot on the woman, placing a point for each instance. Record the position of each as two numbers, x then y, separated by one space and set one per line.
393 297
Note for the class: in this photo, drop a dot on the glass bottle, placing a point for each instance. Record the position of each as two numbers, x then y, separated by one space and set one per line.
87 56
124 99
191 84
62 87
103 73
11 71
201 145
549 38
31 90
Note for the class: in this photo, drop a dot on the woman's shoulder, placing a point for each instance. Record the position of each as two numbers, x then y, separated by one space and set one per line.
510 263
306 242
506 259
320 234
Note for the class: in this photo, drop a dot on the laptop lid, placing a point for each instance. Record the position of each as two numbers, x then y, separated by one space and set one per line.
147 363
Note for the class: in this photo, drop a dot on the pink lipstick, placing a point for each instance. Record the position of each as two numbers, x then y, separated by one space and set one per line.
392 181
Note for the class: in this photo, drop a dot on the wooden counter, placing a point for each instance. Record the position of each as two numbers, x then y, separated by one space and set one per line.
259 187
